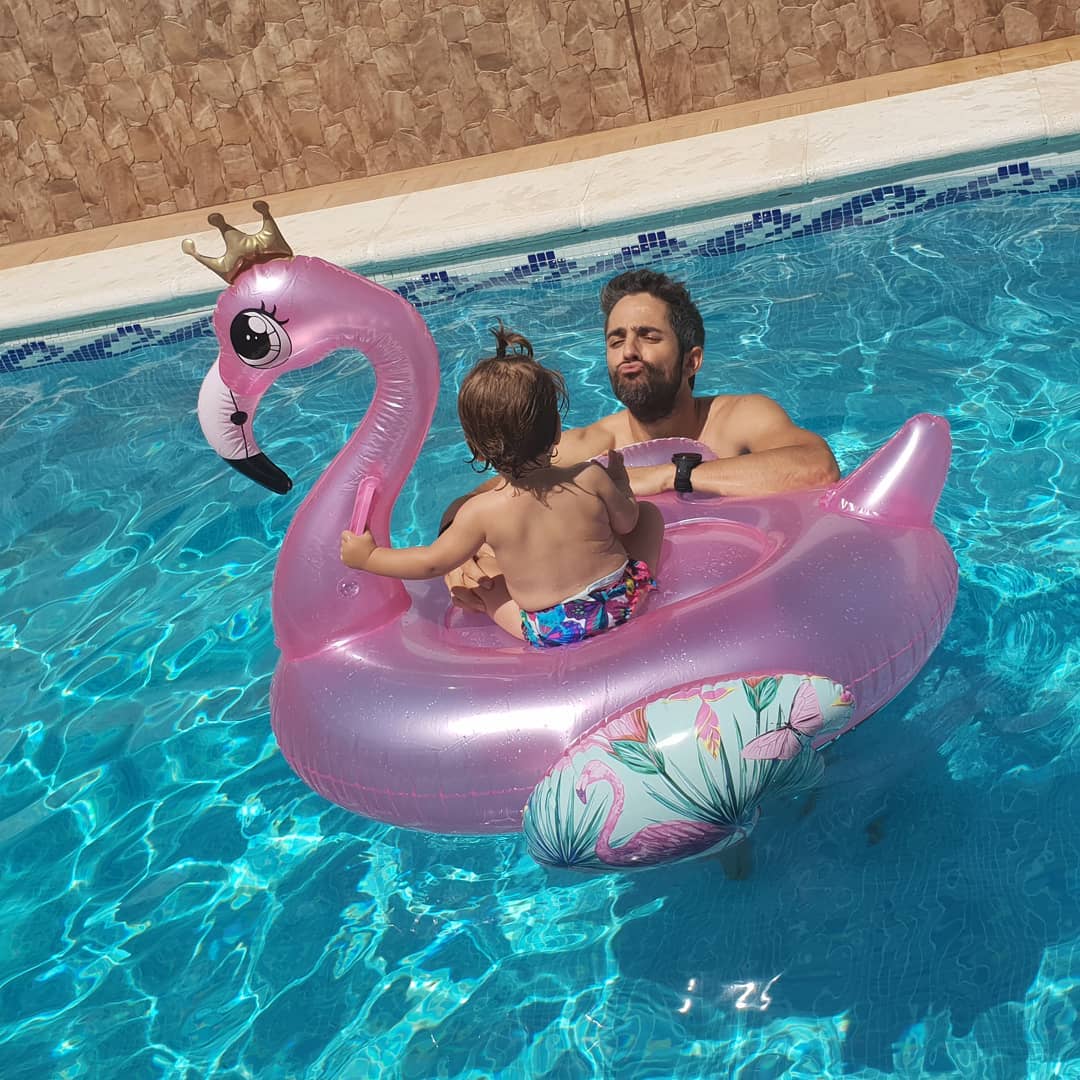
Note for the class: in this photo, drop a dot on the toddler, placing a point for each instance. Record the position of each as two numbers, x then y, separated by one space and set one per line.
556 533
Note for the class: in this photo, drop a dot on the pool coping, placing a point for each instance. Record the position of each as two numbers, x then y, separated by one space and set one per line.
794 158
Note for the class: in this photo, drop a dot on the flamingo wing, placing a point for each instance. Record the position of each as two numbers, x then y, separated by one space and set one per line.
665 841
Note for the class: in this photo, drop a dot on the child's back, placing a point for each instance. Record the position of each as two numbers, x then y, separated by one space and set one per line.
556 532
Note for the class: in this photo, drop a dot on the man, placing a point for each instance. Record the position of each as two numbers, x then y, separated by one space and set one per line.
655 342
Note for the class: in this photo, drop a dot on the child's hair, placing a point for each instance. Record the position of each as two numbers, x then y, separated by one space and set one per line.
510 406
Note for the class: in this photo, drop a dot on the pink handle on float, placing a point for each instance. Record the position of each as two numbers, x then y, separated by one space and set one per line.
365 493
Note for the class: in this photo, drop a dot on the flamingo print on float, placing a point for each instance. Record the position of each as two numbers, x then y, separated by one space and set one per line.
656 843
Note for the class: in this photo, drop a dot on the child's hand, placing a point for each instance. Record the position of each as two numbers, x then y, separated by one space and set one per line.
356 551
616 469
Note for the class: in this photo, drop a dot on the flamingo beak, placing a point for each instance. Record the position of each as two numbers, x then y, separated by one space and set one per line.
263 471
226 419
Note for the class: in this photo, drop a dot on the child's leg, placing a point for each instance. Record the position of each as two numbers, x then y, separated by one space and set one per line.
646 538
500 607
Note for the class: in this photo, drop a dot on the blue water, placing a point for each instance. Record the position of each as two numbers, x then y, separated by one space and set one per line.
174 903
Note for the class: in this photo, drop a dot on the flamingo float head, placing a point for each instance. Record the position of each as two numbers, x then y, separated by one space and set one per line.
282 312
255 345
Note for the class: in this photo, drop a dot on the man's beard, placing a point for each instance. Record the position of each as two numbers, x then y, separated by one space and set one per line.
650 396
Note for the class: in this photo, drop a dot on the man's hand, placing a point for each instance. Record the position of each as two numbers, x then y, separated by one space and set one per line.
465 583
356 551
651 479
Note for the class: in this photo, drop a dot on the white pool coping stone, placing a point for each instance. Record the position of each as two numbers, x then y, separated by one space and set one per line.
793 157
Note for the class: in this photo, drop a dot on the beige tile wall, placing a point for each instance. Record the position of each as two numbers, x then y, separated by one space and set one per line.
114 111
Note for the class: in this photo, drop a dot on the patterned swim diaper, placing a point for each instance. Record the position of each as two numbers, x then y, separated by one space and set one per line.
605 604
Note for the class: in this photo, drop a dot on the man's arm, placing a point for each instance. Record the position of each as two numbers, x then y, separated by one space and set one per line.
776 456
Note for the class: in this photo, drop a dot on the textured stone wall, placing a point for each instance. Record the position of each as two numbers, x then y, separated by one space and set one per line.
111 111
698 54
114 110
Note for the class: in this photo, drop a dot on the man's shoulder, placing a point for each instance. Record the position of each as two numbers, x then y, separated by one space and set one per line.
580 444
733 422
740 409
609 429
718 403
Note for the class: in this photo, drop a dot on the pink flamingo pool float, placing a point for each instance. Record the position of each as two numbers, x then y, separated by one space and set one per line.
781 622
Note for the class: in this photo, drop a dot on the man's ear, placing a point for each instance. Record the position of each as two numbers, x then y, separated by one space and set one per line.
692 361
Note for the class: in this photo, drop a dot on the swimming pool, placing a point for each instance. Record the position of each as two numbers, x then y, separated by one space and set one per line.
176 903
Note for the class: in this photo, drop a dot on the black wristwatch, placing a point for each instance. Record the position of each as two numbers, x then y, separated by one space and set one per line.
684 464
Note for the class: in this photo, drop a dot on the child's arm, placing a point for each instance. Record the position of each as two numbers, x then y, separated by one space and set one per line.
463 537
613 487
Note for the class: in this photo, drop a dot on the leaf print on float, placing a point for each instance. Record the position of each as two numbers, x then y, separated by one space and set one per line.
760 691
639 757
556 830
632 743
706 723
659 841
629 727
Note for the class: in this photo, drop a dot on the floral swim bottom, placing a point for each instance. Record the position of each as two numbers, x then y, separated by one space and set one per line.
606 603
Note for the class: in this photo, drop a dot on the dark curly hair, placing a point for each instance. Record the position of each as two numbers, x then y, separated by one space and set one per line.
510 407
683 313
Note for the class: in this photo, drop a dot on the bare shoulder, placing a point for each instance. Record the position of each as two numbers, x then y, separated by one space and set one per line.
747 409
580 444
718 409
482 505
722 427
751 422
726 404
472 520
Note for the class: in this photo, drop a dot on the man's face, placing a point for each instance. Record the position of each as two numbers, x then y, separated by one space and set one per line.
643 360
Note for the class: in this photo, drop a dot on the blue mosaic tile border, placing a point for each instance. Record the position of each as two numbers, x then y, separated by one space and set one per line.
879 204
549 269
119 341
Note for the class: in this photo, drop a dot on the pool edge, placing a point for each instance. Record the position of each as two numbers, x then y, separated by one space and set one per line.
796 158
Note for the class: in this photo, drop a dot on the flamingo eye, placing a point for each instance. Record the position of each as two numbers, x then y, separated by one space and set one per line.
259 338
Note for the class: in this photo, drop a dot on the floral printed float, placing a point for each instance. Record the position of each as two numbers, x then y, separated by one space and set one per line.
675 790
781 622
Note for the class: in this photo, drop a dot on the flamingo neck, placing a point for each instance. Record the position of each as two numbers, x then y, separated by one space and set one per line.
603 845
316 599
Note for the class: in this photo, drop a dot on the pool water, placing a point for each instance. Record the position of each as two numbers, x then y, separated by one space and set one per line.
176 903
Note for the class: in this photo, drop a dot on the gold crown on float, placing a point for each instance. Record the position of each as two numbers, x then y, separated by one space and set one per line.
242 249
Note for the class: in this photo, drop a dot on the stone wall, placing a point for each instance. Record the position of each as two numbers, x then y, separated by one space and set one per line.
698 55
111 110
